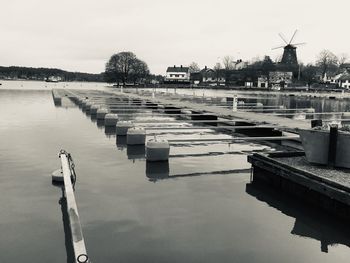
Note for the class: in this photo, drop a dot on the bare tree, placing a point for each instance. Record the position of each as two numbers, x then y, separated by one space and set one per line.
343 58
326 61
218 72
217 66
194 67
228 62
255 60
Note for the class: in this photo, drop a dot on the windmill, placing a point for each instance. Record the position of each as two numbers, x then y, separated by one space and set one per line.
289 57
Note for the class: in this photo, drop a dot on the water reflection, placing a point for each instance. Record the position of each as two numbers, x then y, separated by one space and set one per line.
121 142
66 225
157 170
110 131
100 123
67 103
309 222
320 104
93 117
57 103
135 152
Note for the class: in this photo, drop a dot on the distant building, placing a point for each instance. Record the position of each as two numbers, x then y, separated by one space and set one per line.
332 78
196 78
240 64
212 77
263 82
345 66
53 79
249 84
208 75
344 81
280 78
177 75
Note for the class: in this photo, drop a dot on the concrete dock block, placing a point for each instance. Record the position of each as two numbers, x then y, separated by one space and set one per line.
94 108
122 127
101 113
111 119
157 150
136 136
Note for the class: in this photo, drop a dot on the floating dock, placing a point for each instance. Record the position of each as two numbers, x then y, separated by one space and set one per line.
289 172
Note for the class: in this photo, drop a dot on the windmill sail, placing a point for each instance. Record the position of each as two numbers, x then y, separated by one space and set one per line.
289 57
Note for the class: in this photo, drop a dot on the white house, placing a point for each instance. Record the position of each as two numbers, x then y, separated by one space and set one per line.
177 74
263 82
331 78
240 64
344 81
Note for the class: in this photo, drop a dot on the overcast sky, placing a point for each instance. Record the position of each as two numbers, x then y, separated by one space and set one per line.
80 35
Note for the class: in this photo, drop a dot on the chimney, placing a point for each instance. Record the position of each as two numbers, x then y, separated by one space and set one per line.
174 66
181 66
205 67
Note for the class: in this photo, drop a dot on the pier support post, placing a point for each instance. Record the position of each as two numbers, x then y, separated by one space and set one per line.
332 150
234 103
316 123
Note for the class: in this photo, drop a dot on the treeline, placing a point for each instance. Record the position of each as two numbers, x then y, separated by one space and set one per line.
327 65
29 73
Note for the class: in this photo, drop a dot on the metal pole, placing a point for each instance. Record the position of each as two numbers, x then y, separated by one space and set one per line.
237 139
234 103
210 127
79 248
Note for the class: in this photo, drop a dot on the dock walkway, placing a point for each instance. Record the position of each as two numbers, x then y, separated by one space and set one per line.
281 123
286 124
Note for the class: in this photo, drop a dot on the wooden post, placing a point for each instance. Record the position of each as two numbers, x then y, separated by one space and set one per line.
234 103
316 123
72 210
332 150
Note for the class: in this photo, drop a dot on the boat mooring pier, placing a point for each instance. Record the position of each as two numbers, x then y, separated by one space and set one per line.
132 119
289 172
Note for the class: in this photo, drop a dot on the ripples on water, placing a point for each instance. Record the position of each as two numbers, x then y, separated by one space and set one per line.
199 207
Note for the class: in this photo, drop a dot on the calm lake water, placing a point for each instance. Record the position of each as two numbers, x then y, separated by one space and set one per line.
274 99
199 207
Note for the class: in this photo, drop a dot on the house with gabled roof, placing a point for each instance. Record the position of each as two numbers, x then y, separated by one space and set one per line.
177 74
211 77
344 81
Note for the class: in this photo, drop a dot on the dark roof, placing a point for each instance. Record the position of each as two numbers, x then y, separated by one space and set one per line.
345 76
196 76
177 69
345 65
207 70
